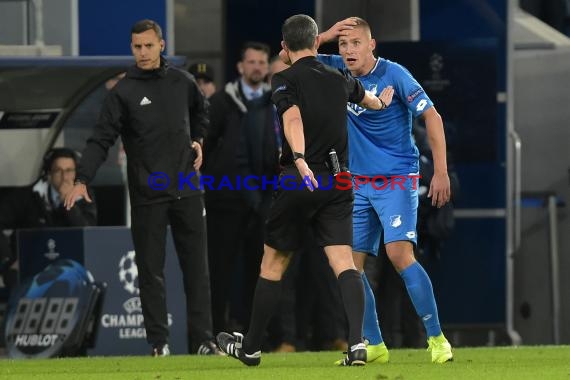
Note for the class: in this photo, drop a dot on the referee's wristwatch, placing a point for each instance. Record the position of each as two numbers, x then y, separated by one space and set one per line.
297 155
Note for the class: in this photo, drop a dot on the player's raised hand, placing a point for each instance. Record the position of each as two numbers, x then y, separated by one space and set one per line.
386 96
379 102
339 29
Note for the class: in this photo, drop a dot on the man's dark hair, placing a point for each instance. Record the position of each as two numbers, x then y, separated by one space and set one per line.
144 25
55 153
260 46
299 32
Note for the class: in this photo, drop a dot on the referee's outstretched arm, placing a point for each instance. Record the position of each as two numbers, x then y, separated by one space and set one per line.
379 103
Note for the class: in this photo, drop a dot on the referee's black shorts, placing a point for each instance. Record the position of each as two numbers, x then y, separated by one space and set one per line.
327 210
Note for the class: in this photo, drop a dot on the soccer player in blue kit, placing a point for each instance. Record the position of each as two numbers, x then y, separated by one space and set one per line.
381 144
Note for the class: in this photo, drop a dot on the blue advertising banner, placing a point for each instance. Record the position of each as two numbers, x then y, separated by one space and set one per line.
109 256
39 248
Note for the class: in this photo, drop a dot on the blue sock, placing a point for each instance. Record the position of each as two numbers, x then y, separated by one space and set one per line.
370 327
421 292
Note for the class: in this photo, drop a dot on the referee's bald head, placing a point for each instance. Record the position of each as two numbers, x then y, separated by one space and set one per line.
299 32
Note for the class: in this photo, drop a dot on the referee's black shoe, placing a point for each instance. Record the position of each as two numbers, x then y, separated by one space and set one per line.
231 344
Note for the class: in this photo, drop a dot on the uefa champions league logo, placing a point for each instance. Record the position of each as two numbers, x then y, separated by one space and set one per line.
437 82
51 254
128 273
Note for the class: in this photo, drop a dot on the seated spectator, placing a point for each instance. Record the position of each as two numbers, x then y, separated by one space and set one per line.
41 205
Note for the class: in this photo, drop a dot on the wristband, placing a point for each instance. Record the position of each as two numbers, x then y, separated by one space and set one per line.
297 155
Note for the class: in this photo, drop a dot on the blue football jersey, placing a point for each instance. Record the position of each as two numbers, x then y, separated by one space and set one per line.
381 142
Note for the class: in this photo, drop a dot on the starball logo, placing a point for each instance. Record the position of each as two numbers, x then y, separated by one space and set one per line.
343 181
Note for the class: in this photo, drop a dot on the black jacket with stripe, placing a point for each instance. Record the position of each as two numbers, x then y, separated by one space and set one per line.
157 113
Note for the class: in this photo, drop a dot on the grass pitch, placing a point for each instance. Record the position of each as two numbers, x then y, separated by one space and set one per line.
520 363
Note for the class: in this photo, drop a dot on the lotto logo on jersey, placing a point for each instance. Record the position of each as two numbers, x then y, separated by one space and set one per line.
421 105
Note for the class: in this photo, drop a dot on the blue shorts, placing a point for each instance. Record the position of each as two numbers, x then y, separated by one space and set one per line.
384 204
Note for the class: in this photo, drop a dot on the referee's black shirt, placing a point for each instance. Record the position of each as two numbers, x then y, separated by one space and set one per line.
321 93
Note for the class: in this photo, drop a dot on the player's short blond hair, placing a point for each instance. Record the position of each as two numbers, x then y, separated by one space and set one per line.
362 23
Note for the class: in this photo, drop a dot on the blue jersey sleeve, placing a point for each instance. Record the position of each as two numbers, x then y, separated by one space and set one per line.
409 90
332 60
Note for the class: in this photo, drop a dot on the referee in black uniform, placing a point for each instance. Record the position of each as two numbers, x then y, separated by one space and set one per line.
161 115
311 101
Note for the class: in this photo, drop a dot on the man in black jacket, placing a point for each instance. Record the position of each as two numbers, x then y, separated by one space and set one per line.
161 116
241 142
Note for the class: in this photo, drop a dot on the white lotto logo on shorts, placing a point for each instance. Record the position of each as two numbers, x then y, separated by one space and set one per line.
128 273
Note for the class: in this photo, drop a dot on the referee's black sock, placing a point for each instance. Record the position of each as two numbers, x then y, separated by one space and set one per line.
265 301
352 291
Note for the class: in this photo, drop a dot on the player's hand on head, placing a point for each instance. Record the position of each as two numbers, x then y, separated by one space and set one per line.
339 29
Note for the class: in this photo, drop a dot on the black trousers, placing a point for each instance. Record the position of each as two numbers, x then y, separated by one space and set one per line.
235 231
188 223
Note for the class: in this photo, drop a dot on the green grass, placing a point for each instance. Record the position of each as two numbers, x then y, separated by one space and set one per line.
539 362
